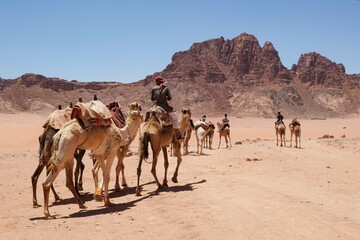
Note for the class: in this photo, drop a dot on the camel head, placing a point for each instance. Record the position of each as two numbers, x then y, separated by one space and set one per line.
133 106
135 117
185 113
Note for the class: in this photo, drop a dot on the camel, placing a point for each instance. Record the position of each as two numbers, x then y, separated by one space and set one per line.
280 132
200 133
160 136
186 132
225 132
102 140
185 144
209 136
54 122
121 153
295 129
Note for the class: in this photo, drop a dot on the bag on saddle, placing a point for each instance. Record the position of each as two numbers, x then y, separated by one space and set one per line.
92 114
161 115
58 118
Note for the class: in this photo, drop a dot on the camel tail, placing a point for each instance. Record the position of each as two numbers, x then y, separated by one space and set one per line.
144 145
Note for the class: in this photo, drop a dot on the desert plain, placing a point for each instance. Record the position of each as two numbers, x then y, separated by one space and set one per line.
251 190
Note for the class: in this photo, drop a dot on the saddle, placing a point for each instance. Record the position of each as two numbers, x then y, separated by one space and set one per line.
92 114
160 114
204 126
294 123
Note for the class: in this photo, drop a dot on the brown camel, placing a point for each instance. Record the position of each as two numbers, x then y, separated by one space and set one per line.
103 141
296 130
224 132
280 132
185 144
209 136
160 136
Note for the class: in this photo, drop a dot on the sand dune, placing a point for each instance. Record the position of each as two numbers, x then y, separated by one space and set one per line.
254 190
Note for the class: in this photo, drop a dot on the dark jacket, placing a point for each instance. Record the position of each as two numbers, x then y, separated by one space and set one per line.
160 96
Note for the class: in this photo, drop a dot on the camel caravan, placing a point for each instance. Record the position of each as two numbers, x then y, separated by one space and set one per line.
106 131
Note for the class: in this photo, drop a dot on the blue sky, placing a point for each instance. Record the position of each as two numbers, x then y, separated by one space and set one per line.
126 40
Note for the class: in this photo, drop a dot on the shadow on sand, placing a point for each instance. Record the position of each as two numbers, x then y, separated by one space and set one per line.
121 206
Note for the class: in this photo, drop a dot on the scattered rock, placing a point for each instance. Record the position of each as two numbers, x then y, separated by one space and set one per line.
326 136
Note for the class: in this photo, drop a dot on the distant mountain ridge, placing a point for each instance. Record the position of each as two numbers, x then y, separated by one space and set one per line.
217 76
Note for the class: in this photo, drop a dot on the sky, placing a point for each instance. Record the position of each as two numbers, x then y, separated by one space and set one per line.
126 40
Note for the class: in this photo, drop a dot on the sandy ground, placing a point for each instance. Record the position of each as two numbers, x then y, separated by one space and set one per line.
253 190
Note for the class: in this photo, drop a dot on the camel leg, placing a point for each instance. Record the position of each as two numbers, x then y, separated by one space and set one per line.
197 144
70 183
219 141
120 167
153 166
166 164
179 160
106 168
34 179
202 146
299 139
230 140
98 189
277 140
80 166
138 172
291 135
184 147
46 189
56 196
227 142
284 139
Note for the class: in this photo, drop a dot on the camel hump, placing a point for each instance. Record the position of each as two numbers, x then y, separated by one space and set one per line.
93 113
91 110
161 115
58 118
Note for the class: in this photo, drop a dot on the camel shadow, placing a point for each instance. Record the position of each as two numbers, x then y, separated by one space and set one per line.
121 206
128 205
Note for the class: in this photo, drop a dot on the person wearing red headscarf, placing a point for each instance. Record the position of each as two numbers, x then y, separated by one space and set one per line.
160 95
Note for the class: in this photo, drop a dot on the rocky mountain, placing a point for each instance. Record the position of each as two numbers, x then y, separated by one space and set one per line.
218 76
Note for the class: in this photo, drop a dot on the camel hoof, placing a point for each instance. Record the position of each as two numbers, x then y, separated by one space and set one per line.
82 206
48 216
138 194
36 205
117 188
107 203
97 195
174 179
98 198
165 185
124 185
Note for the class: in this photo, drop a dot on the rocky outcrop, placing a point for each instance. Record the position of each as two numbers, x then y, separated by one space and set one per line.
314 69
217 76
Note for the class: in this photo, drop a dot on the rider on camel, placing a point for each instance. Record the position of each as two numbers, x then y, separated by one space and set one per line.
160 95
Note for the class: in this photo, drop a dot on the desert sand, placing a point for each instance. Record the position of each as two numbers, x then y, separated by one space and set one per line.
253 190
